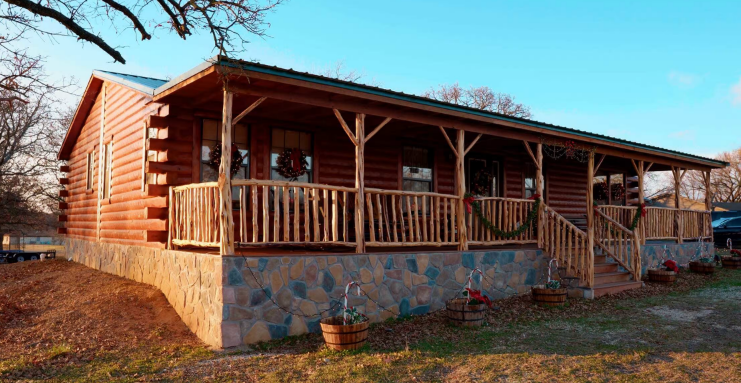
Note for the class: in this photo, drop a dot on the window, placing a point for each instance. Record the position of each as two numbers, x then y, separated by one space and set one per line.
617 189
530 175
151 156
107 169
210 136
417 169
289 139
90 171
482 177
734 223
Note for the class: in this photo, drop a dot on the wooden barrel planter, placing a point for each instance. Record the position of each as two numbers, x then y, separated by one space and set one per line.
549 297
702 268
733 263
340 337
662 276
462 314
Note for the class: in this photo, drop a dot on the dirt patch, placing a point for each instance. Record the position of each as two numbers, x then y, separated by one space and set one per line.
678 315
59 313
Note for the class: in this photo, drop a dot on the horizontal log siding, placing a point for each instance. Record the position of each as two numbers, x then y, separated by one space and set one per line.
566 187
123 217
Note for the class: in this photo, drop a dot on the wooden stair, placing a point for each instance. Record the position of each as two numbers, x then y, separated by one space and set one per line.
608 279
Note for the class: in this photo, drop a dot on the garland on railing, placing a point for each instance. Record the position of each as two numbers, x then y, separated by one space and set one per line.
532 216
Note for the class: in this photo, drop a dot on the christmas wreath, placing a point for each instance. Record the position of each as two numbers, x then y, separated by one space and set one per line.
215 158
292 163
532 216
481 183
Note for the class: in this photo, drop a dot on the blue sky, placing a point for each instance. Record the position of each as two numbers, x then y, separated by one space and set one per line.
664 73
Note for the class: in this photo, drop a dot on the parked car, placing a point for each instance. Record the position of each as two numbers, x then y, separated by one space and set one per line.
12 256
725 228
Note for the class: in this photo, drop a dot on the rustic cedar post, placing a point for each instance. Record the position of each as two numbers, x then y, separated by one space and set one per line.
360 182
707 228
225 183
590 218
640 173
539 186
460 178
678 175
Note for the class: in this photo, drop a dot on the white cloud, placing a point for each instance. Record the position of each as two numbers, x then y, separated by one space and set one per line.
683 80
736 92
683 135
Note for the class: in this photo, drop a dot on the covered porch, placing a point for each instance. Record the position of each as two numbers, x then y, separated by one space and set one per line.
368 189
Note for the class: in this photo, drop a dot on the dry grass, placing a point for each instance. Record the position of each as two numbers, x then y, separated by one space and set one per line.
687 332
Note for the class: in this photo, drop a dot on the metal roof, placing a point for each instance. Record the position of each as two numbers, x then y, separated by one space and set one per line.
157 86
140 83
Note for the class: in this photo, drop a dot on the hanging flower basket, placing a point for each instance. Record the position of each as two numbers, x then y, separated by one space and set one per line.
471 310
702 267
339 336
733 263
662 276
348 331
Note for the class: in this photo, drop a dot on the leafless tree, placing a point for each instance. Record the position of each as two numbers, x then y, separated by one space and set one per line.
725 184
480 98
340 72
228 22
30 134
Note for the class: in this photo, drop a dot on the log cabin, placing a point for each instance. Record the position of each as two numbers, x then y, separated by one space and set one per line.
252 195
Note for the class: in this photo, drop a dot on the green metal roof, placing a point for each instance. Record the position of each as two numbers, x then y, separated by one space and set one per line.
317 79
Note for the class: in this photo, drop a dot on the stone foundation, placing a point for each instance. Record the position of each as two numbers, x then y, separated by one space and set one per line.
653 252
190 281
406 284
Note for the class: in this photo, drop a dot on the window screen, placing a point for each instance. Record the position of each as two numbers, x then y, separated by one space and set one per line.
417 169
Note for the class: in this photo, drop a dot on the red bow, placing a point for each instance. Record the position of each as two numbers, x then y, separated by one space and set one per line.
737 252
476 294
468 201
296 159
643 210
534 196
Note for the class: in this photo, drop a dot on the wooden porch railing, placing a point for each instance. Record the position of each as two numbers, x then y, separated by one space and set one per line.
194 215
281 212
696 224
617 241
659 223
622 214
505 213
402 218
568 244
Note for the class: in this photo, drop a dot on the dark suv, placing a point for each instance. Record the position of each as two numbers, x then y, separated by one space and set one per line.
725 228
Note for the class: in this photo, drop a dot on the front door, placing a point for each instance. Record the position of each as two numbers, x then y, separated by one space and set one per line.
483 176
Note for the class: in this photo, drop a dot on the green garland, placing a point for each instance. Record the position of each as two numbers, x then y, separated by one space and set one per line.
532 216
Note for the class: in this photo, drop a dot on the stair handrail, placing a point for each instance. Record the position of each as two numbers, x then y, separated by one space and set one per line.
566 243
618 252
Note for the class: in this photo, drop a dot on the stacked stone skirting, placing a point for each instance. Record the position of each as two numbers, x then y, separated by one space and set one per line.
222 300
682 253
191 282
404 283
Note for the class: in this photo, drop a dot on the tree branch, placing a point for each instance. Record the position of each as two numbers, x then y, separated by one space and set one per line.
135 20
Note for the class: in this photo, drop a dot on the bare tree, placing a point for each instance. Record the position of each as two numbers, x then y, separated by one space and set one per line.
228 22
30 134
340 72
725 183
480 98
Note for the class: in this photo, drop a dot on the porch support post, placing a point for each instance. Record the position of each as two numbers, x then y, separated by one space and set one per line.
226 223
460 177
707 221
360 182
678 175
590 219
539 188
640 173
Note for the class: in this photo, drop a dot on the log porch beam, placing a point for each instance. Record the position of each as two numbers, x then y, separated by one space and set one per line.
596 168
377 129
447 139
470 146
460 180
350 134
249 109
590 219
530 153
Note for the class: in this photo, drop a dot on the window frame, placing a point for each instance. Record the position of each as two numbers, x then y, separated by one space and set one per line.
525 172
312 155
204 163
107 170
431 155
90 170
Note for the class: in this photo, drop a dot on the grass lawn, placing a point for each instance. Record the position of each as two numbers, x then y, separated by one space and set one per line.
690 332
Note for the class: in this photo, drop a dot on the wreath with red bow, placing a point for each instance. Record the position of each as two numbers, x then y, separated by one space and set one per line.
215 158
292 163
